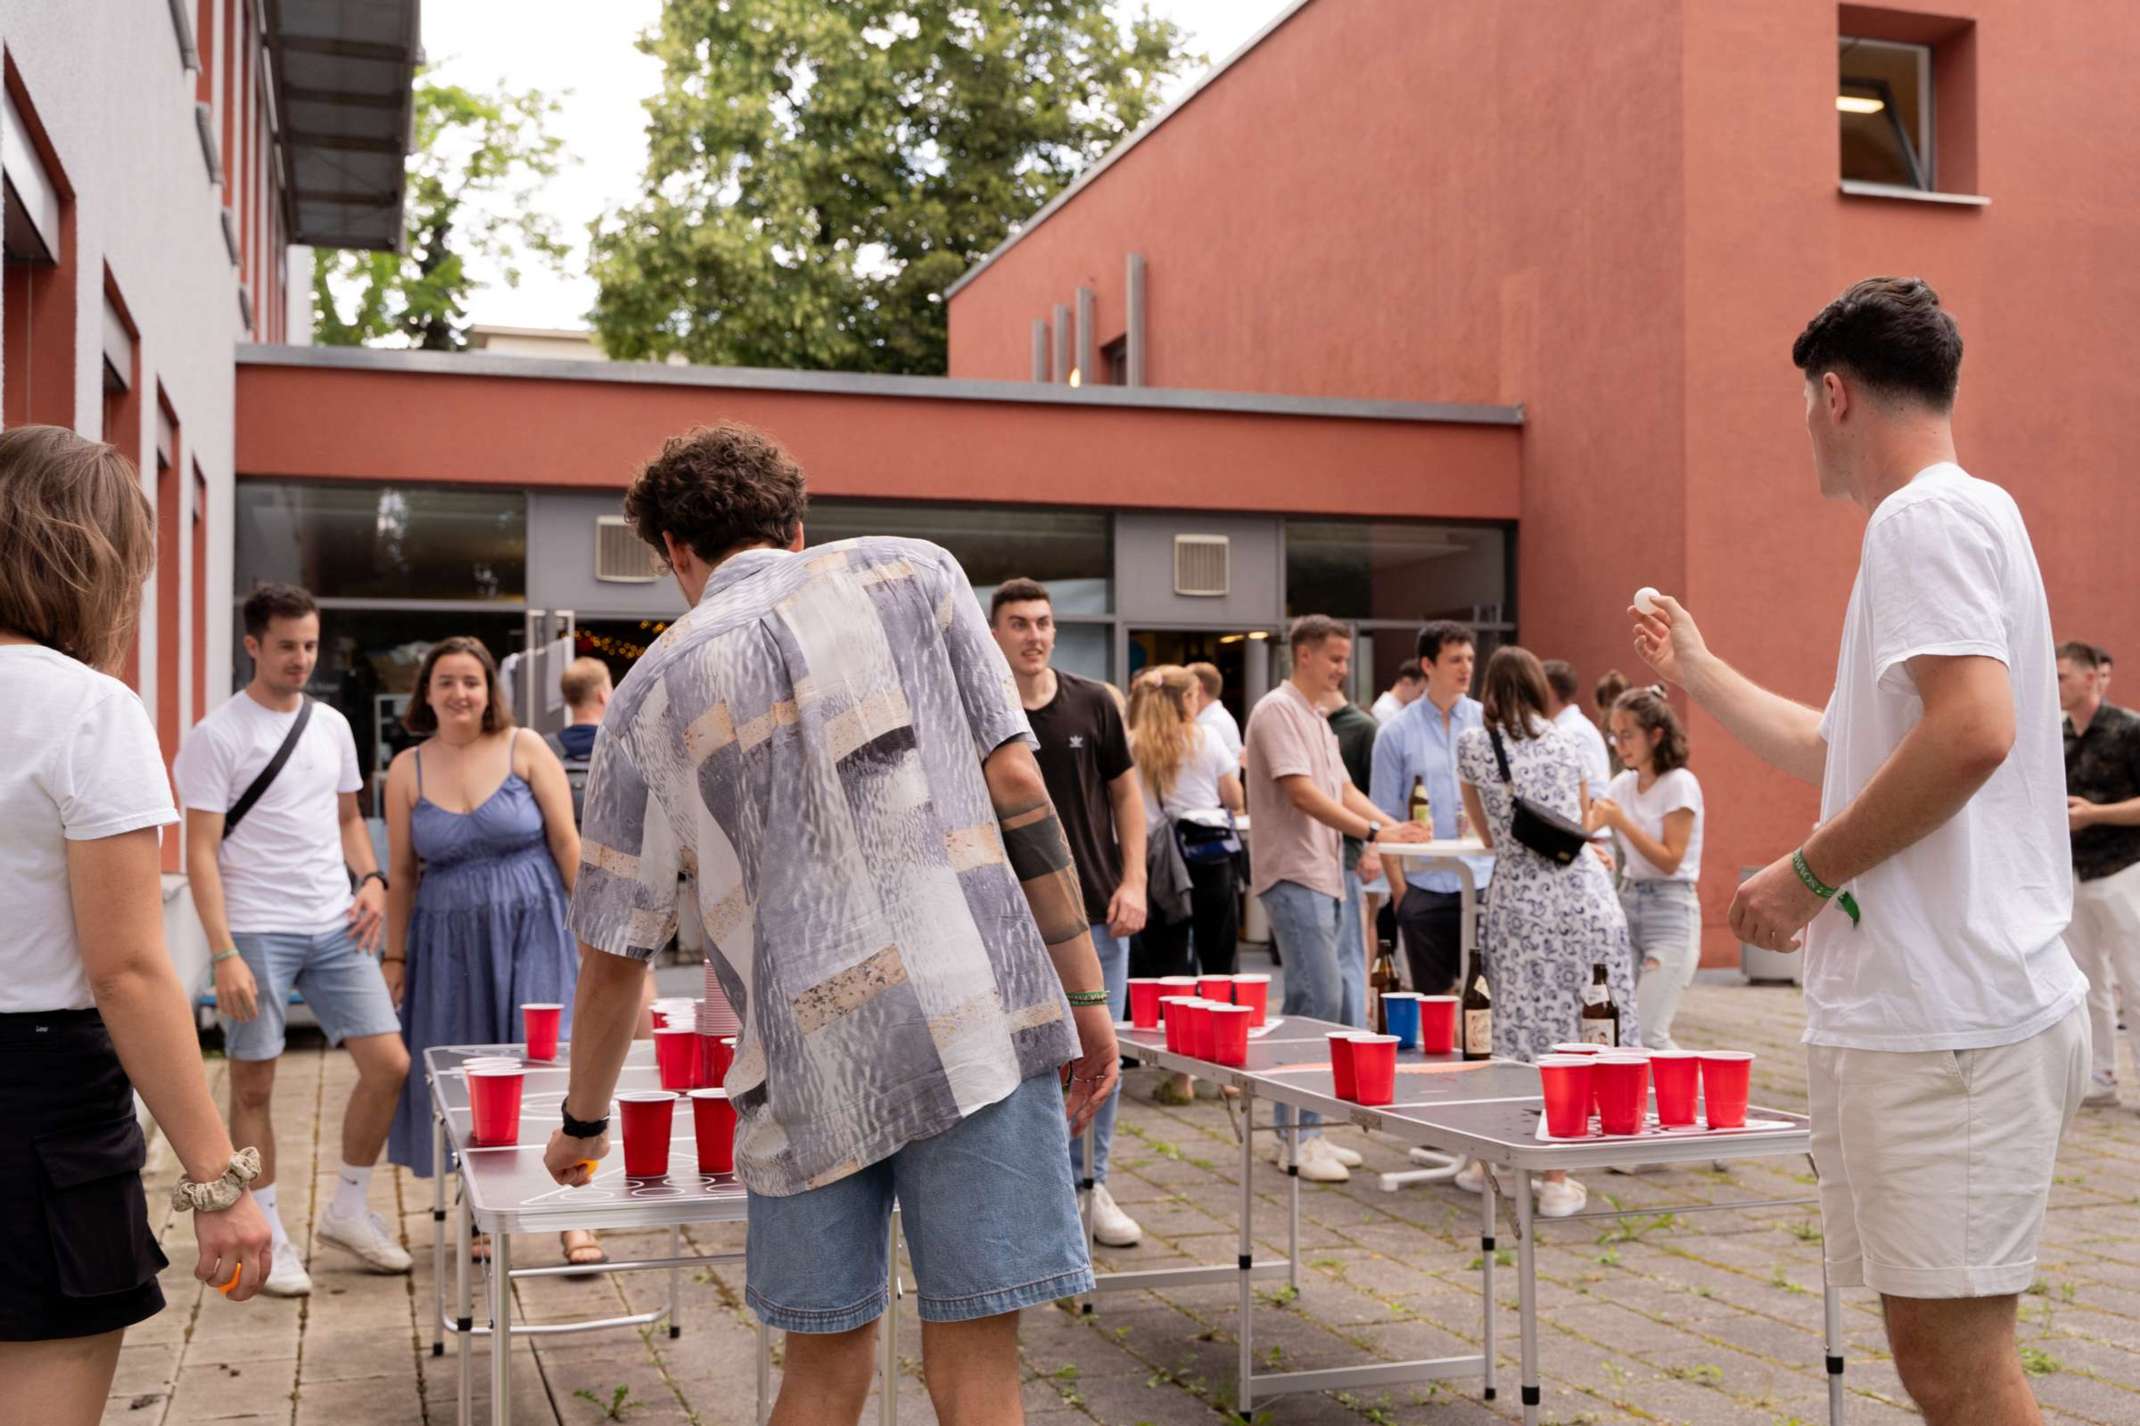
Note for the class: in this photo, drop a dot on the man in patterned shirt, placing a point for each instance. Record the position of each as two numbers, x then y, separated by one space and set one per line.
830 745
2103 810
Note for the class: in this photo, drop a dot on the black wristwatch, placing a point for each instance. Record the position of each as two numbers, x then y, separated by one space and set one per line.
374 875
584 1128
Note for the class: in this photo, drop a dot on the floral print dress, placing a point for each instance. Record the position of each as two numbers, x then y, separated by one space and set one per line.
1545 926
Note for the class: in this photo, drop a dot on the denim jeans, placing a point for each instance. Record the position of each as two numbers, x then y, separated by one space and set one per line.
1664 920
1114 970
1352 958
1307 926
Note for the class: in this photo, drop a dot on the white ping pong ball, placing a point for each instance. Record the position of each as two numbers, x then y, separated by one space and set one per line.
1645 600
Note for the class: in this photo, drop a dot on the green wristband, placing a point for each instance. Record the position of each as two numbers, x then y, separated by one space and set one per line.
1088 997
1821 889
221 956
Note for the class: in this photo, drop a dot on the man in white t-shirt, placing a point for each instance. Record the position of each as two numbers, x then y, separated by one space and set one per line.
1213 716
1411 682
1945 1023
273 894
1568 716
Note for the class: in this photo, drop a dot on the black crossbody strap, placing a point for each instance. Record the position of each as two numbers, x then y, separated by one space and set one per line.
267 774
1500 755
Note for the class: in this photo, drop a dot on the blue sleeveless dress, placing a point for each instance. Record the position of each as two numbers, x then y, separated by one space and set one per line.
487 935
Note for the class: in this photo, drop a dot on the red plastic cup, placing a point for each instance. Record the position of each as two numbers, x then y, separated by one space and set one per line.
1174 1018
540 1024
1622 1084
1216 987
1175 987
1229 1034
1575 1047
715 1054
649 1117
713 1120
1675 1074
1437 1024
494 1104
676 1055
1374 1068
1726 1077
1342 1082
1200 1028
1254 991
1144 996
1566 1081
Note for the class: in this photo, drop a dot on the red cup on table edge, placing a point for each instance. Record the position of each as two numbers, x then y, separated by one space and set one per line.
1622 1087
1565 1080
649 1120
1342 1082
494 1105
1374 1069
1437 1024
1675 1074
1144 994
1254 991
1229 1033
1217 988
676 1056
1584 1047
716 1053
1174 1018
539 1024
713 1120
1727 1076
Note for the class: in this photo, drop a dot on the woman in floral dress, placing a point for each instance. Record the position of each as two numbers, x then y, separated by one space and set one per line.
1545 925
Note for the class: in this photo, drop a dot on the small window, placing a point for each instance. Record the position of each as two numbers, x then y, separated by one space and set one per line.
1883 102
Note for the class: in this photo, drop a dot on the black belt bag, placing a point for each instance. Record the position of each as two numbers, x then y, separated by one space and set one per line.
1540 828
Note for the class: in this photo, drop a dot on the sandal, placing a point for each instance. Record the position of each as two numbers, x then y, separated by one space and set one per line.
576 1253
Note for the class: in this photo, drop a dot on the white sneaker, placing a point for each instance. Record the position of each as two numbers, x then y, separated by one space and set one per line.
367 1238
1110 1225
2102 1093
1350 1158
1472 1176
1319 1165
1558 1200
286 1274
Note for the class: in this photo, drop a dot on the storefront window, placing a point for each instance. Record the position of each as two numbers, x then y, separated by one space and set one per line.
1070 551
1362 569
383 541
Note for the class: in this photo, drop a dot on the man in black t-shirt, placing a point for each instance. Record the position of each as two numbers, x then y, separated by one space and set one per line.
2103 812
1084 757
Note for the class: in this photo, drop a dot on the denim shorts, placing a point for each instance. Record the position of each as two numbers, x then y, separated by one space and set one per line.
339 980
987 1206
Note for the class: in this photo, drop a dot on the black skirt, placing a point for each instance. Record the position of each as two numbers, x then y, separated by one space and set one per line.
81 1258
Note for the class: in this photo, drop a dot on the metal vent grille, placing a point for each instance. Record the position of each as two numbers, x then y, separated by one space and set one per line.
620 556
1201 565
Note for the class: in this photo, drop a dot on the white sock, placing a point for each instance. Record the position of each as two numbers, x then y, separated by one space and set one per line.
265 1197
349 1191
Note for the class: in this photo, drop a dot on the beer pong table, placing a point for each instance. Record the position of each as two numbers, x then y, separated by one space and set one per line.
1487 1110
506 1192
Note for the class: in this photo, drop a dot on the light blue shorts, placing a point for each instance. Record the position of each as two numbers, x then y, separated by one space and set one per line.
339 980
987 1206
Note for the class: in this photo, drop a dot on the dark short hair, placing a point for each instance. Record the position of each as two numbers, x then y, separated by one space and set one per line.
716 489
1312 629
1890 335
2086 655
421 718
1515 692
275 601
1018 591
1441 633
1560 677
1652 713
1410 672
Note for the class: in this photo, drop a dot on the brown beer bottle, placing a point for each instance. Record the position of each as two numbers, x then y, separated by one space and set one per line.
1381 976
1600 1020
1478 1013
1422 810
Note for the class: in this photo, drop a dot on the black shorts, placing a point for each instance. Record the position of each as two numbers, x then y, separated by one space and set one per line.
81 1258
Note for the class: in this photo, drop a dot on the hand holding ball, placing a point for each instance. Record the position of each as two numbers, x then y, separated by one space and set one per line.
1646 601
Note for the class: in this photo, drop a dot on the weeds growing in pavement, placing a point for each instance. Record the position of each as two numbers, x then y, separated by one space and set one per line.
1805 1230
1701 1374
2037 1362
620 1401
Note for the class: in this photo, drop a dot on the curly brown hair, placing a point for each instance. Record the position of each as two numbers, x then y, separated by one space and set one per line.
422 718
77 542
1889 333
1652 714
716 489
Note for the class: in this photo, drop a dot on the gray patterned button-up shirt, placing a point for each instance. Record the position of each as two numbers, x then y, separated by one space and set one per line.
806 745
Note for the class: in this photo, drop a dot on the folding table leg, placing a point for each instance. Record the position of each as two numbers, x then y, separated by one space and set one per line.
464 1319
676 1285
501 1328
1245 1389
1486 1278
1527 1293
438 1235
1832 1322
1085 1196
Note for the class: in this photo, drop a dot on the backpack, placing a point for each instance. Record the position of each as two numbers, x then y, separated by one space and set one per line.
575 774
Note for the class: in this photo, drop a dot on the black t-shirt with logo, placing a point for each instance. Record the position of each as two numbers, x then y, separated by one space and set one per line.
2103 765
1083 747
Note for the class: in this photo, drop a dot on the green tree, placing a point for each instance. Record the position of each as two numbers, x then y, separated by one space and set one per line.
819 172
477 163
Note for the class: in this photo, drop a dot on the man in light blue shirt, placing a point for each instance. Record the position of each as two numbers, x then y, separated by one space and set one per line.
1420 743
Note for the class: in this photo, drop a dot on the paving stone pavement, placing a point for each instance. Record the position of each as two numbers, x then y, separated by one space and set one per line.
1697 1319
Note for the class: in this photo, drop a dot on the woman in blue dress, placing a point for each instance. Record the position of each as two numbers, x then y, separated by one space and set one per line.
480 833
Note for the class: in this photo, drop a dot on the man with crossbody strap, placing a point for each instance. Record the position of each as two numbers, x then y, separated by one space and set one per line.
273 837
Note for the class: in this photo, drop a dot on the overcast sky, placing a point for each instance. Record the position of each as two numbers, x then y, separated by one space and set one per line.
583 54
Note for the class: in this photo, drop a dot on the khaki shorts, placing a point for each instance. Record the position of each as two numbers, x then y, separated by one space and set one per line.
1935 1166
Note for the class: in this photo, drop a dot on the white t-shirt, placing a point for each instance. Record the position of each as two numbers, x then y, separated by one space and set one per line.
82 764
1387 706
283 868
1215 718
1196 782
1674 791
1590 743
1961 945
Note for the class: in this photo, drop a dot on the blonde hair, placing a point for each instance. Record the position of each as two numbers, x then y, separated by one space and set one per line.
1161 732
583 678
77 543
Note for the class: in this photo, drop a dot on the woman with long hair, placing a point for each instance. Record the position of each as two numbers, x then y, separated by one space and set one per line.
1546 924
1655 809
480 831
91 1009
